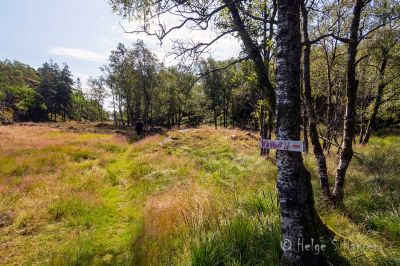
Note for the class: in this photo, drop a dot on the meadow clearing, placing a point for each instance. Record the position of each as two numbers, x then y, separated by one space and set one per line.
73 194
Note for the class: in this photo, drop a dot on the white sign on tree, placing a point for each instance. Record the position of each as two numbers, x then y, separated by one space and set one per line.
284 145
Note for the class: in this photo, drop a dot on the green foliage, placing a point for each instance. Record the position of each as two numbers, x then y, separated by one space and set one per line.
142 87
27 94
56 89
24 97
85 109
18 94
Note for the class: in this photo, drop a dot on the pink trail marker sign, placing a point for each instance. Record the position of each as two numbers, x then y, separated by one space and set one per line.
284 145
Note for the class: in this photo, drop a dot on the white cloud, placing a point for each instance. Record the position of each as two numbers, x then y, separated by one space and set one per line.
79 54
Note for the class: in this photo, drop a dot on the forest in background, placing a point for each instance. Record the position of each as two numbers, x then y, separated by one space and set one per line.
45 94
222 93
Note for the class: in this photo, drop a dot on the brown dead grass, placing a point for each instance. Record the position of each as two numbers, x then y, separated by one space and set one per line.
168 210
181 209
144 143
15 137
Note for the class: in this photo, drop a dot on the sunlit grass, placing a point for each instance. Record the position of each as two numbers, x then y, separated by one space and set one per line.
199 196
370 220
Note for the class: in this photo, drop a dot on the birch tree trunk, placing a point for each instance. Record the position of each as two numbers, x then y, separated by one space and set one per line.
317 147
298 215
346 153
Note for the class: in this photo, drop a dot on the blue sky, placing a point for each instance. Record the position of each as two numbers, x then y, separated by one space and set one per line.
79 32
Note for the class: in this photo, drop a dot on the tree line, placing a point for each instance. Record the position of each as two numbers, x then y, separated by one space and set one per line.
44 94
140 86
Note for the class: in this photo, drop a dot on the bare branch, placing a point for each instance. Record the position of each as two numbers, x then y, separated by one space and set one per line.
360 59
202 75
245 12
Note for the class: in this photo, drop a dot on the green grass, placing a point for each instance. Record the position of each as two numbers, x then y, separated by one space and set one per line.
194 197
370 220
251 237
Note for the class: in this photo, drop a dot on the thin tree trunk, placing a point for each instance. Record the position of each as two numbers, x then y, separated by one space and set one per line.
378 100
317 147
101 115
179 117
298 215
346 153
120 110
329 63
305 131
374 114
329 117
362 126
225 112
115 115
263 127
270 126
128 117
232 108
215 118
137 112
334 127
